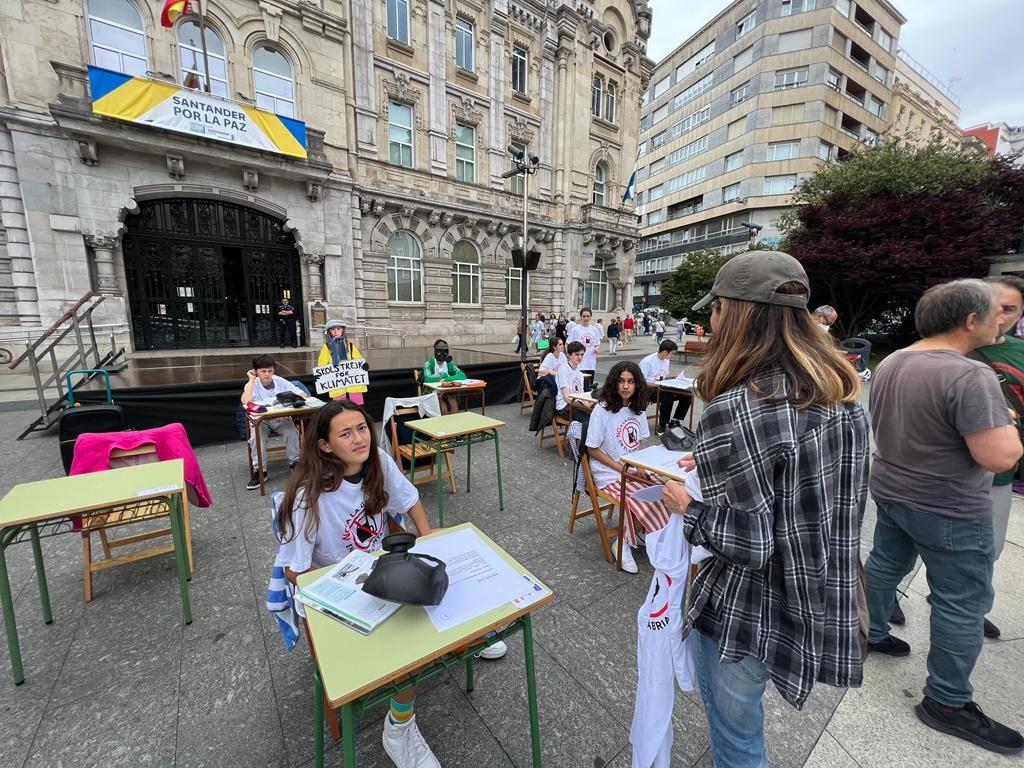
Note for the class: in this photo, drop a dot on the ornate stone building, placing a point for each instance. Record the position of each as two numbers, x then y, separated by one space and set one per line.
349 153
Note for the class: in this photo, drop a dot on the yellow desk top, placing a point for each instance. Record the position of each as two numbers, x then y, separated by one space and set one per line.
454 424
352 664
63 496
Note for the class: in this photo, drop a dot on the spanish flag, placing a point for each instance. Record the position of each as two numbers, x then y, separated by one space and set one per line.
172 10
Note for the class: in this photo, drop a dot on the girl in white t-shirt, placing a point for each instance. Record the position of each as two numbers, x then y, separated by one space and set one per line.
342 496
554 359
618 425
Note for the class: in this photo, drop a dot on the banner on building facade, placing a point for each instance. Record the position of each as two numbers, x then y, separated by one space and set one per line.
183 110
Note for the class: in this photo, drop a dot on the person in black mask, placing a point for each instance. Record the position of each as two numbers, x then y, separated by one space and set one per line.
441 367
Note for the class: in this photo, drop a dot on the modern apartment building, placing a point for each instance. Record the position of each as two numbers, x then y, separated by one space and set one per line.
738 114
922 105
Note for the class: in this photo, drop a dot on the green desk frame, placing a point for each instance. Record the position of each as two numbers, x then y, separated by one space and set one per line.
448 443
350 710
62 523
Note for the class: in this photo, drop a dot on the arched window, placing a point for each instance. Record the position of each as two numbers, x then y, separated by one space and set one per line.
595 96
599 181
465 273
595 288
117 37
405 267
609 103
190 57
272 80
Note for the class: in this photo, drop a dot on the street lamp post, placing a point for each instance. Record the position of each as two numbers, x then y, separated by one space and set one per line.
523 164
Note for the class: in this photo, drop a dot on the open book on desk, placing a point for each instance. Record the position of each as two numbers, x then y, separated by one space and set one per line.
339 594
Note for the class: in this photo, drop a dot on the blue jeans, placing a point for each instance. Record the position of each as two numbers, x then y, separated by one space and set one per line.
732 702
958 554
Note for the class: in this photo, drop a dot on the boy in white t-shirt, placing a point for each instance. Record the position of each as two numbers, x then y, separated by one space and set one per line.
655 369
262 389
569 381
590 337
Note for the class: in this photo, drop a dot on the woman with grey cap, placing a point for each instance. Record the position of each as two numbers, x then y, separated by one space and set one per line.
336 349
781 461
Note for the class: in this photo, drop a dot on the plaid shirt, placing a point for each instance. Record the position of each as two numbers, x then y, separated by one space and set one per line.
784 493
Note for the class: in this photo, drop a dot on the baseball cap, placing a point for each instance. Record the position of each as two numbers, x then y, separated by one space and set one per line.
755 276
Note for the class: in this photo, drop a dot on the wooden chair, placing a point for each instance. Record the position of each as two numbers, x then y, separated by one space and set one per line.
528 396
98 523
417 376
555 429
425 472
600 503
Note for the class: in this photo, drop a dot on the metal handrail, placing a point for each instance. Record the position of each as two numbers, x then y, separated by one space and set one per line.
73 312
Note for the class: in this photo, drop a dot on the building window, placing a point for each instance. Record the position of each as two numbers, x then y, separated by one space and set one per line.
731 193
739 94
790 78
464 44
659 139
695 90
796 6
824 150
465 152
655 193
272 81
660 113
599 184
118 40
656 217
779 185
595 288
733 161
745 25
520 70
742 59
783 150
517 182
513 286
596 87
405 268
843 6
876 107
661 86
190 57
642 150
736 129
398 20
834 80
885 40
609 103
788 113
400 134
465 273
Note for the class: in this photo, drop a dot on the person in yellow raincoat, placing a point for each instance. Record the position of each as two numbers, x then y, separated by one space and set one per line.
337 348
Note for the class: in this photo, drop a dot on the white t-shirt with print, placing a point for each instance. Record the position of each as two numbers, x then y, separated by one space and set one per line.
654 369
552 363
590 337
343 524
570 377
616 434
266 395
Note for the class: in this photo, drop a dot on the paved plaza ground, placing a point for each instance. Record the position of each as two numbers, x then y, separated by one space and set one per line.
120 681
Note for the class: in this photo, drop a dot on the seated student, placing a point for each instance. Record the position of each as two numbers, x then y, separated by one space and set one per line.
262 389
340 498
569 380
618 424
335 349
441 368
655 369
554 359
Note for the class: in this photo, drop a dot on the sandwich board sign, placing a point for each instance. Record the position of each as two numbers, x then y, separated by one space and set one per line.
346 373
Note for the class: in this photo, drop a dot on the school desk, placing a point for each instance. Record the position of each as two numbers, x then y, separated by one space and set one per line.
466 388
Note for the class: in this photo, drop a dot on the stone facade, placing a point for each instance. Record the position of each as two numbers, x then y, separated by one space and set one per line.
922 107
72 184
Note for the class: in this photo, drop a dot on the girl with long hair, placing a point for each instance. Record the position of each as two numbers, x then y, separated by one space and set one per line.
554 359
618 425
781 460
342 495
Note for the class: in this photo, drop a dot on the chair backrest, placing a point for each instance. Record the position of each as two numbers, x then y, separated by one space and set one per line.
417 375
584 482
400 433
301 386
528 380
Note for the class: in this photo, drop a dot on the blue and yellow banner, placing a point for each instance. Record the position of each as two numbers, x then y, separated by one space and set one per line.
173 108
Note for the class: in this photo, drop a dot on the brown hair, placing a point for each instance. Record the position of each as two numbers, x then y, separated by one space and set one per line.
751 338
321 472
609 392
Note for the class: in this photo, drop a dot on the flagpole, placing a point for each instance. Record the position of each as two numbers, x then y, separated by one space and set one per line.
202 36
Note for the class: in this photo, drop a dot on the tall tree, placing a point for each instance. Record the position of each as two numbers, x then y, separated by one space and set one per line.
690 282
877 229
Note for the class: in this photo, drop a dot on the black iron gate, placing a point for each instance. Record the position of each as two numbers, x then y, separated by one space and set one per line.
207 273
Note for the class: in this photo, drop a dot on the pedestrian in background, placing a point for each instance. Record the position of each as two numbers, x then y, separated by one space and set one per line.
627 327
613 336
659 330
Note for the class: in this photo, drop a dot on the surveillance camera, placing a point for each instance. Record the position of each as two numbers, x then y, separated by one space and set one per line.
534 160
751 225
516 152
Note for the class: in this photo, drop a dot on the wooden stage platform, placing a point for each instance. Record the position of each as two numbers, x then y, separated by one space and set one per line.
201 389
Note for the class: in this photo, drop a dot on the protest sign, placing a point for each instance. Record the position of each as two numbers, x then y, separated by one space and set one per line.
347 373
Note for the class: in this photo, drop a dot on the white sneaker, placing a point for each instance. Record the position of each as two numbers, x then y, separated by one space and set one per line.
493 652
628 563
405 745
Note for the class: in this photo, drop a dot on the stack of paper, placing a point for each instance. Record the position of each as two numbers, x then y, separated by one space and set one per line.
339 594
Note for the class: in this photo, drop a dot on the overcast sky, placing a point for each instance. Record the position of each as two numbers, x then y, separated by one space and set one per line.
976 44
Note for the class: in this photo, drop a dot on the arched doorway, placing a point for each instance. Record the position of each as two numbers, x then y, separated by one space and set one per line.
207 273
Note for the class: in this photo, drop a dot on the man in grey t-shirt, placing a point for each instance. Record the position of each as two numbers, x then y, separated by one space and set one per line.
941 428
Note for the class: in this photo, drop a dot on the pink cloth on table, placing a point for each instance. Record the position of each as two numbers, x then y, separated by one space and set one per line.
92 453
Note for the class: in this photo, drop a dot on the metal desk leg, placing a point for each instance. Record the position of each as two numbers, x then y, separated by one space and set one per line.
531 689
259 457
438 484
412 460
318 722
469 462
348 735
7 602
469 674
483 402
178 533
44 592
497 464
